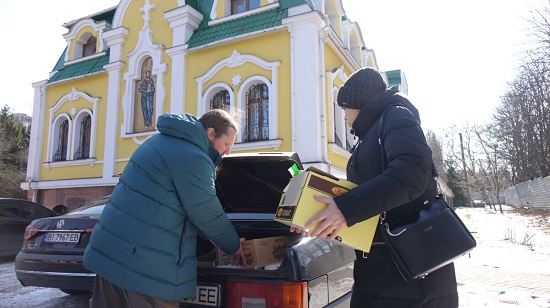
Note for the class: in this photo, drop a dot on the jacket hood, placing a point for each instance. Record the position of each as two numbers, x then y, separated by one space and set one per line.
371 112
187 127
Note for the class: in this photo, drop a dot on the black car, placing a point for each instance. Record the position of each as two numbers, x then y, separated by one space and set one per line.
15 215
52 252
312 273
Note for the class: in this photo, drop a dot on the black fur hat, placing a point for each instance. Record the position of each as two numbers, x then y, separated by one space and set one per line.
360 87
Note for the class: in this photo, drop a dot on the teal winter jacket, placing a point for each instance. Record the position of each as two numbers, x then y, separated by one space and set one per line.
145 239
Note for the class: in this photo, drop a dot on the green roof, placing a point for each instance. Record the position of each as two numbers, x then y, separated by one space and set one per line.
80 68
236 27
394 77
105 15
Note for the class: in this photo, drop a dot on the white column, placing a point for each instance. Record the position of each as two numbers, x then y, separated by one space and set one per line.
36 139
307 98
115 40
112 119
183 21
177 88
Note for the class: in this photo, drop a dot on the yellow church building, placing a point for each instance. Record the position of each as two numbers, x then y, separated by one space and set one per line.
278 62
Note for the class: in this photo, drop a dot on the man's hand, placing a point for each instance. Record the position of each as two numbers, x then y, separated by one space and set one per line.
240 253
332 220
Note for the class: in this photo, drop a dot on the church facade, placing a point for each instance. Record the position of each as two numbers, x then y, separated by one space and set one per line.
277 63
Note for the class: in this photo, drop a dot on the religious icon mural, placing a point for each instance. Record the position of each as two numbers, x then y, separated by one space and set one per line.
144 104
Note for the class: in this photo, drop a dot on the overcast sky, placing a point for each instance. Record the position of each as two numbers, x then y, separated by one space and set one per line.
457 56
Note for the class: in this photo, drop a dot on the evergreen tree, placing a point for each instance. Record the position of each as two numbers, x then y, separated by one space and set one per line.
455 183
14 144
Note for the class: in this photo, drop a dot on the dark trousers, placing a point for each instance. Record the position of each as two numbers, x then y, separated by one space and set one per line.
378 284
107 295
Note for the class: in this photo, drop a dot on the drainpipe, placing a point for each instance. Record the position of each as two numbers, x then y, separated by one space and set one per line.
322 96
292 95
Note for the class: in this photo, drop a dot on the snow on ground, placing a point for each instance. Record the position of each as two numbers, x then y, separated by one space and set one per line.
510 267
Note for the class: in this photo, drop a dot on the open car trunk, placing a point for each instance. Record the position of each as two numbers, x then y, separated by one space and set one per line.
250 186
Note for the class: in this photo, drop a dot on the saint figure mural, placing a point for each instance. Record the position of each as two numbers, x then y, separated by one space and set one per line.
147 91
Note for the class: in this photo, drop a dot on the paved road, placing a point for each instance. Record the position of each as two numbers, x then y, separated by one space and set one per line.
499 278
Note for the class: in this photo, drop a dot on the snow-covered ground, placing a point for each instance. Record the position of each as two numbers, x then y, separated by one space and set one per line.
510 267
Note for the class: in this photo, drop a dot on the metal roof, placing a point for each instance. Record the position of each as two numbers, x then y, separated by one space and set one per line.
81 68
236 27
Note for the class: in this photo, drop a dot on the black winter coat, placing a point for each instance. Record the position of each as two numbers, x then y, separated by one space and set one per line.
398 188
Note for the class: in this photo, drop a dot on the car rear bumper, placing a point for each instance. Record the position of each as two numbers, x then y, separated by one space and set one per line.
53 271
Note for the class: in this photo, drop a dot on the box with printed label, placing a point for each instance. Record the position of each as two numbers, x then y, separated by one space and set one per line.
297 206
259 252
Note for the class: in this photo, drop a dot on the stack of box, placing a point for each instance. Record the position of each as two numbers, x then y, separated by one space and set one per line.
259 252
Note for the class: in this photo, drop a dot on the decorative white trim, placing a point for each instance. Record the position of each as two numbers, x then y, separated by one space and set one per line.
273 104
81 162
332 92
97 55
99 27
212 90
274 144
36 142
76 183
144 48
72 96
54 132
115 40
183 22
213 14
120 13
114 69
334 148
236 60
93 130
215 21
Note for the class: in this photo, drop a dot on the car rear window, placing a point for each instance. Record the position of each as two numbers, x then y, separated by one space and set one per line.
93 208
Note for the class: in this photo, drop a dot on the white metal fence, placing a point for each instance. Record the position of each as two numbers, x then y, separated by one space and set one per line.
533 194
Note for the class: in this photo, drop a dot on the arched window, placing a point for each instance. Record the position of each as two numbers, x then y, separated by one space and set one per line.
83 150
62 142
257 113
221 100
239 6
89 47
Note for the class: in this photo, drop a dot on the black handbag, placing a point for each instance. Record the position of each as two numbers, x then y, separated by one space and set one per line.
432 239
426 240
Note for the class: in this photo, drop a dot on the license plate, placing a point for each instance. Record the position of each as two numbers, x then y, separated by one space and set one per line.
54 237
205 295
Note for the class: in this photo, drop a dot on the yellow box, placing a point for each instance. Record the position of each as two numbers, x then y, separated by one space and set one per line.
259 252
297 206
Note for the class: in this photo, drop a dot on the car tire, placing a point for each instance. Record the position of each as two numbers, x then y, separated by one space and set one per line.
75 292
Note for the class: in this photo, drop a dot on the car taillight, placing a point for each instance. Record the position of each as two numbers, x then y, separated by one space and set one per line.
89 230
30 232
268 295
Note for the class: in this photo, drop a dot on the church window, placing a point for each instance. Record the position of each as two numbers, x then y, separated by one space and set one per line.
221 100
257 113
62 142
83 150
240 6
89 48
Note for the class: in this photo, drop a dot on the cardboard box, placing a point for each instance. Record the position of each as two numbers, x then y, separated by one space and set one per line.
297 206
259 252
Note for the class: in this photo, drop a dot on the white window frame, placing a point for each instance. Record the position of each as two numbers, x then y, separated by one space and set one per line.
53 128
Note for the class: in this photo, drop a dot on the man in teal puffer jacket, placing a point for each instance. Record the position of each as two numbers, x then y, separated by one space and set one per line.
143 248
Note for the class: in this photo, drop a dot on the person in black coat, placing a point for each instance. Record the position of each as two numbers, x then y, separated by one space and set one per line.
397 185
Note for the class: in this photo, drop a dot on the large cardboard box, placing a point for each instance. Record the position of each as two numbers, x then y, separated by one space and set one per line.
259 252
297 206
